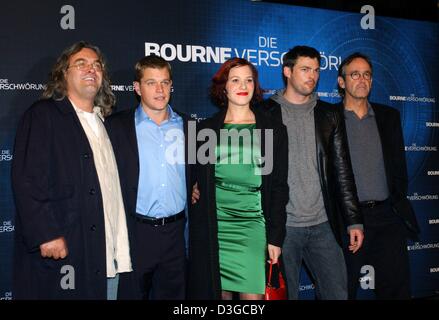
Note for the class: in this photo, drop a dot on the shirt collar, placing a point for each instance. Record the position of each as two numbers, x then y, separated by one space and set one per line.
370 112
307 107
96 110
142 116
173 116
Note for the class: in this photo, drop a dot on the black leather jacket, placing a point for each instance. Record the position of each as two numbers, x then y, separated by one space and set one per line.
334 165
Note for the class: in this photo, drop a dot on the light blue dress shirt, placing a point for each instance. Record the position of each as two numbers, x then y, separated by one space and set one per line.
162 181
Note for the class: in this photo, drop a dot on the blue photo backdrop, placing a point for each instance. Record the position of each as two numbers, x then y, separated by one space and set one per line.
198 35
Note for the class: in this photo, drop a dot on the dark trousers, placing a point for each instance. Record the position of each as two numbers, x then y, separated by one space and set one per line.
160 260
384 255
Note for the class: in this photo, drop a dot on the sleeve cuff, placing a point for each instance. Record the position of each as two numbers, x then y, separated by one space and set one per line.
355 226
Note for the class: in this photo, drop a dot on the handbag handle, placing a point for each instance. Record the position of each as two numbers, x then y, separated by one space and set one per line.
271 270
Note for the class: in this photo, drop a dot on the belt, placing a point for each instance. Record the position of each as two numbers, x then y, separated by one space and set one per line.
238 187
159 221
372 203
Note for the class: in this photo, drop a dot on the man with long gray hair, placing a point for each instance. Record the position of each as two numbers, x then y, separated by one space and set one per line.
71 235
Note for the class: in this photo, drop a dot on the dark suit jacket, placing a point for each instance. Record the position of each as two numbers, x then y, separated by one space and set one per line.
334 165
203 272
122 132
57 193
392 141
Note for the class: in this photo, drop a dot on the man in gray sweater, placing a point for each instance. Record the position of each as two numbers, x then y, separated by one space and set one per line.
323 199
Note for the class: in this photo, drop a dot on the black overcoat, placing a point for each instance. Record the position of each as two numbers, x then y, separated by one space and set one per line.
57 193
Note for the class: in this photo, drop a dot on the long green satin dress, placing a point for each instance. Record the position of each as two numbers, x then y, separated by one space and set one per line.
241 223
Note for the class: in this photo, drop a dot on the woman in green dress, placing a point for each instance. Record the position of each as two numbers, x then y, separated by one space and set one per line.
239 221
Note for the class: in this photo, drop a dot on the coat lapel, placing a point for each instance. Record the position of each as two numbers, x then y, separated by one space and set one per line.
261 125
380 120
187 140
217 123
319 125
66 107
131 134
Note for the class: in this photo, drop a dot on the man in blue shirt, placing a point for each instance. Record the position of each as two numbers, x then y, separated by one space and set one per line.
149 143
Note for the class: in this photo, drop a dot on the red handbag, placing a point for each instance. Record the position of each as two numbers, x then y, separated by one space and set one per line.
275 293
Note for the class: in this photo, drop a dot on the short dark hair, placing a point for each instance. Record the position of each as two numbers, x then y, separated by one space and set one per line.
219 80
347 61
290 58
151 61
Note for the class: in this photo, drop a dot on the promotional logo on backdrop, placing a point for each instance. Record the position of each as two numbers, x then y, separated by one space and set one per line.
307 287
5 84
5 155
198 40
266 53
423 246
122 88
412 98
417 197
414 147
6 296
211 54
7 226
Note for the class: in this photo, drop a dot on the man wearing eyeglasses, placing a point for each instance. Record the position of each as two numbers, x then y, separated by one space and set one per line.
150 143
71 233
323 204
377 152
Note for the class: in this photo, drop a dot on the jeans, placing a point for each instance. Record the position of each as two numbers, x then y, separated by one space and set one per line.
112 285
317 247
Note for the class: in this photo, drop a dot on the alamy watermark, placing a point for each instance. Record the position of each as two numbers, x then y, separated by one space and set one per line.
68 280
368 280
205 147
368 20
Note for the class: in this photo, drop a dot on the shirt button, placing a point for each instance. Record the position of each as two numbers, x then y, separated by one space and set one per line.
161 146
98 272
86 156
92 192
163 184
163 164
93 228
